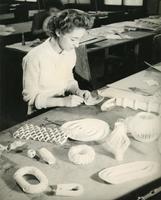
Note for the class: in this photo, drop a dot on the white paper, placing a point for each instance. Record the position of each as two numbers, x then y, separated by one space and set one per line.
157 67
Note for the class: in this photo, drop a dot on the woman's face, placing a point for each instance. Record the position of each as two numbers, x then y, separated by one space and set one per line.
53 11
71 40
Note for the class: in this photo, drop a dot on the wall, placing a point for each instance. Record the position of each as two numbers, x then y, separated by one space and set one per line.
160 7
152 7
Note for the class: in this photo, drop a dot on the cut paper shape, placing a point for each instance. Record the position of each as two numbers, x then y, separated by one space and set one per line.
87 129
69 189
151 106
129 171
25 185
93 98
117 141
42 134
47 156
144 126
81 154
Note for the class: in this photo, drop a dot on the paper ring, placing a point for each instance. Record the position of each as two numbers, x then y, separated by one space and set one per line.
25 185
81 154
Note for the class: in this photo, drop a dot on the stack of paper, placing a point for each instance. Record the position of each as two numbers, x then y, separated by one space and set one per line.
139 91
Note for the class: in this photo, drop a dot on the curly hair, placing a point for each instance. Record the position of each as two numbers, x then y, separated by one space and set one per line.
65 21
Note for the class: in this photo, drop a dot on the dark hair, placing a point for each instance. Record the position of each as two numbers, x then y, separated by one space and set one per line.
65 21
54 3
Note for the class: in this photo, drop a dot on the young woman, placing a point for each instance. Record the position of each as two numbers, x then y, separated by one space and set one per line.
48 68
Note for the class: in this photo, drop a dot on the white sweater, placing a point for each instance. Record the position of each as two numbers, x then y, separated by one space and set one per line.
47 73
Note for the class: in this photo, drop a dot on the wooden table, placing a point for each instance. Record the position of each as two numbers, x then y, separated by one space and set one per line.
66 172
91 46
16 36
135 36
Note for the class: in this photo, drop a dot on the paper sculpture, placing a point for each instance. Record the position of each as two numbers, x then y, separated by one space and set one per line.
118 142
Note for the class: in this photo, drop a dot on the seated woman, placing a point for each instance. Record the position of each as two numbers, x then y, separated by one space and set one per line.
52 7
48 68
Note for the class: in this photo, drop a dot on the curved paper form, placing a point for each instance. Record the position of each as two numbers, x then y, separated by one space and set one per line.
118 142
47 156
145 127
28 187
81 154
87 129
93 100
128 172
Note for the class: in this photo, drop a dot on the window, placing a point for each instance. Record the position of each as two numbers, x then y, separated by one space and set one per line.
113 2
124 2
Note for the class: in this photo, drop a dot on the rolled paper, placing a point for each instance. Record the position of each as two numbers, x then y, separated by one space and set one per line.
47 156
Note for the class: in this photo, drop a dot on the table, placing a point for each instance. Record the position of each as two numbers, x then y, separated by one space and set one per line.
22 27
7 16
66 172
92 45
16 36
135 36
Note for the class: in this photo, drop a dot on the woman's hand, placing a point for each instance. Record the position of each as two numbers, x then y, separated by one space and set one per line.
72 101
84 94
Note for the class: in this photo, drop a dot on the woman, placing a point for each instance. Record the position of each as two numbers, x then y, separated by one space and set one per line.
48 68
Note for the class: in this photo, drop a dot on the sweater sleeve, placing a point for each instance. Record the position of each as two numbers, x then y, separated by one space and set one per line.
31 92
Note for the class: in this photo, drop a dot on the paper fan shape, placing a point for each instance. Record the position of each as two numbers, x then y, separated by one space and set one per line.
128 172
87 129
144 126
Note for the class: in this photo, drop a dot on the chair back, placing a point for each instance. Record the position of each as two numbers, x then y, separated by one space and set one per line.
157 48
82 65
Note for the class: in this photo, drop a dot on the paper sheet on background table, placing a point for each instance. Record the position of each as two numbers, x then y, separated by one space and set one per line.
27 47
6 30
139 80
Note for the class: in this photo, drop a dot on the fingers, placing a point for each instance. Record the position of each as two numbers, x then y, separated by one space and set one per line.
76 100
86 95
83 93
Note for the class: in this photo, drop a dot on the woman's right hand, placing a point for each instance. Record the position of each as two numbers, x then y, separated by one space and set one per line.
72 101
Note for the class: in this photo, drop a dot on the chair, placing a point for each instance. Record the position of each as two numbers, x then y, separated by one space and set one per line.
156 49
82 70
89 68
